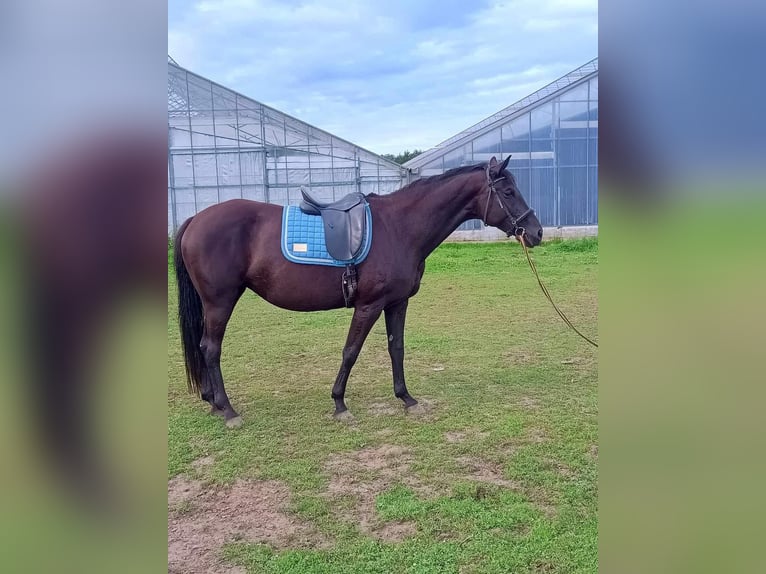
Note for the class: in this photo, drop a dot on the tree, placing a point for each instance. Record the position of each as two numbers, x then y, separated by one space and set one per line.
403 157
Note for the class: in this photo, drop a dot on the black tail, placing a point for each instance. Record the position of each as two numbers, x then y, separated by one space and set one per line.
190 318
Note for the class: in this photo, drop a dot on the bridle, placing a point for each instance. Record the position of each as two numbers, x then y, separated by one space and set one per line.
517 230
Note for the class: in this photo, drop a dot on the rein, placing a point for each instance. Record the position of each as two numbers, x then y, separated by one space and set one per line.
518 231
544 289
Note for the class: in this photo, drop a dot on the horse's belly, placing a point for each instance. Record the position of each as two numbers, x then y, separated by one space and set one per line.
300 287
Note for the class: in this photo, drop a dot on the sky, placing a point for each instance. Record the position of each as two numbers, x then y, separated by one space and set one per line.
388 75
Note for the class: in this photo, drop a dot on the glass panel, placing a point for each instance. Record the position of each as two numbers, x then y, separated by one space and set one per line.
518 161
573 111
542 122
280 195
593 113
522 178
298 176
204 169
518 129
593 152
184 195
227 193
573 190
456 158
343 150
206 196
200 97
228 169
274 128
486 145
578 93
177 87
251 167
572 152
179 136
223 99
184 210
542 145
516 135
594 89
344 175
183 176
542 195
254 192
225 133
567 132
592 196
202 134
433 167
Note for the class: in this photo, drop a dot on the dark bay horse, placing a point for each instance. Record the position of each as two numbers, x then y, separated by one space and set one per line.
235 245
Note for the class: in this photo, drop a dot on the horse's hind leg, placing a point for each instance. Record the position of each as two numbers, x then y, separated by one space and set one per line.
216 317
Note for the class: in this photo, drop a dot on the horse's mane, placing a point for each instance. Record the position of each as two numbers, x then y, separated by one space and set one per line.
430 180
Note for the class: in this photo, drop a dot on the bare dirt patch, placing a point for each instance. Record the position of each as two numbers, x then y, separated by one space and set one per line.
563 469
529 403
521 356
455 436
203 518
485 471
488 472
535 435
396 531
203 462
383 409
458 436
363 475
425 409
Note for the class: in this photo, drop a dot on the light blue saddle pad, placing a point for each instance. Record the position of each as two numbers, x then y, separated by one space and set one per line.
303 239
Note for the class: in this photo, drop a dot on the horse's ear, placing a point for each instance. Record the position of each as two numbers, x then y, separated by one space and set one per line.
504 164
493 163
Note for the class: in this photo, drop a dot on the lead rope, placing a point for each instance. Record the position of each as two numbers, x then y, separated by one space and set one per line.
545 291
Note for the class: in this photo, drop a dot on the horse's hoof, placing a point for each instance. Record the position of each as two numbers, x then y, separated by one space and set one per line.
234 422
416 410
344 416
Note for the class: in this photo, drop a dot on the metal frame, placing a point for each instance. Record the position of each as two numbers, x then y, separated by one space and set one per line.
521 109
294 145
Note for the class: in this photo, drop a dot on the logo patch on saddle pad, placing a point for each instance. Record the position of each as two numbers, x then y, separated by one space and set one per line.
303 239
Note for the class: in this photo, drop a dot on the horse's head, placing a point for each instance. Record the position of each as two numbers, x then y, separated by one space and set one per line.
503 206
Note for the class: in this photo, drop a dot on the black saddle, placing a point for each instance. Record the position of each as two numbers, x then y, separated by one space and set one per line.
344 221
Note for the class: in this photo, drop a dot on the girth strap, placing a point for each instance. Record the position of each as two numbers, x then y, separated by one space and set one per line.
349 284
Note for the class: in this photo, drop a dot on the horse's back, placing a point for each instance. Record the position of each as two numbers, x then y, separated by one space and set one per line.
227 220
217 242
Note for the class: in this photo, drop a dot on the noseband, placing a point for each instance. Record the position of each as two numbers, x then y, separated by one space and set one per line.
515 221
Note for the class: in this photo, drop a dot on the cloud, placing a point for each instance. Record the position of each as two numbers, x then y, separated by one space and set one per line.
387 76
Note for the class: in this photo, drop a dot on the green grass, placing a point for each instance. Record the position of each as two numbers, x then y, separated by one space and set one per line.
488 352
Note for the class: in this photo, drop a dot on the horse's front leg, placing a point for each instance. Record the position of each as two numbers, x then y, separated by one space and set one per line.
363 320
395 317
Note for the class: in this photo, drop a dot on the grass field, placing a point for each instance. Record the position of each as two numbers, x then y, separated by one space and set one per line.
499 475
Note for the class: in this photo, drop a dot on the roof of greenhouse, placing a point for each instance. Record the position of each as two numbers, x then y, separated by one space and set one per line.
516 109
178 105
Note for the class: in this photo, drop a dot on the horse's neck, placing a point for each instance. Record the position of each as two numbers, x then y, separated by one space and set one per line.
429 215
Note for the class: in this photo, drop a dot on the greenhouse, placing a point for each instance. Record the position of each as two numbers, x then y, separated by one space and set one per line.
223 145
552 137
